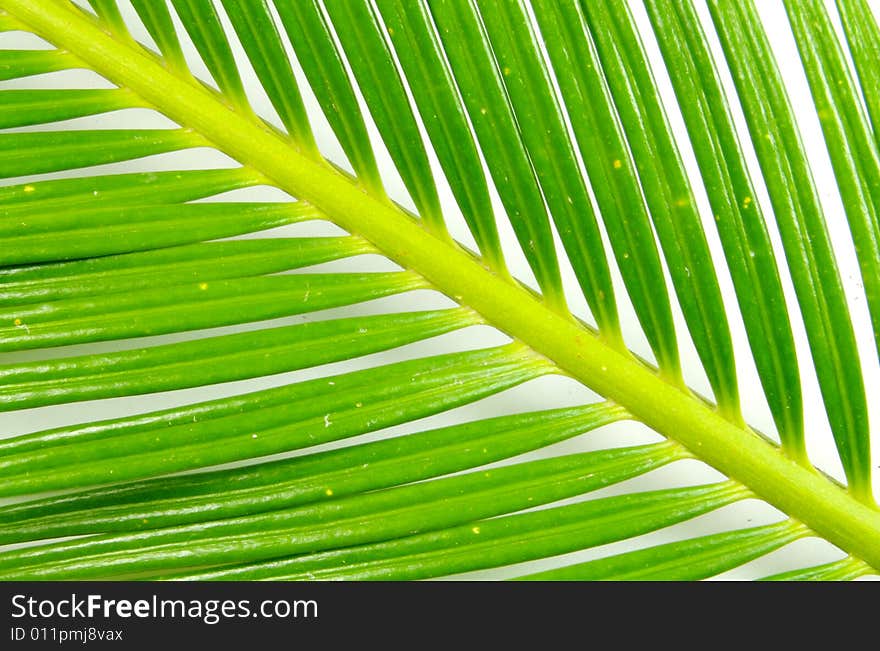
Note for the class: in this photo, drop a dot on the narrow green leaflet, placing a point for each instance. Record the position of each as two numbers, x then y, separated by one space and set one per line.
197 263
203 26
189 306
257 32
290 417
15 64
410 30
612 176
688 560
122 189
323 67
845 569
804 234
54 151
282 484
863 37
380 84
44 236
668 194
355 520
108 11
157 20
215 359
19 108
740 224
482 90
416 371
854 153
496 542
8 23
542 126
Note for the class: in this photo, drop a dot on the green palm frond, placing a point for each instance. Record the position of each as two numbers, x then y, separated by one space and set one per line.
205 380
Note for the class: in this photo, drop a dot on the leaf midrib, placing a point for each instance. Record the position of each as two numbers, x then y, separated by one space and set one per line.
738 452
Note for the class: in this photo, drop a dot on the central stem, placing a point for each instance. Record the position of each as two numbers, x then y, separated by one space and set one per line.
737 452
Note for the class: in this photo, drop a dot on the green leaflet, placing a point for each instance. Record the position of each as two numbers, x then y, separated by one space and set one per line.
612 177
20 108
498 541
15 64
482 90
377 78
668 194
81 232
138 449
108 11
350 470
8 23
845 569
54 151
854 153
189 306
430 80
157 20
215 359
863 37
167 267
804 234
325 71
361 519
123 189
203 26
741 227
262 42
542 127
687 560
421 373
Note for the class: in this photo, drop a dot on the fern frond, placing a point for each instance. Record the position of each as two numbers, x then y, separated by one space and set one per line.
125 285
